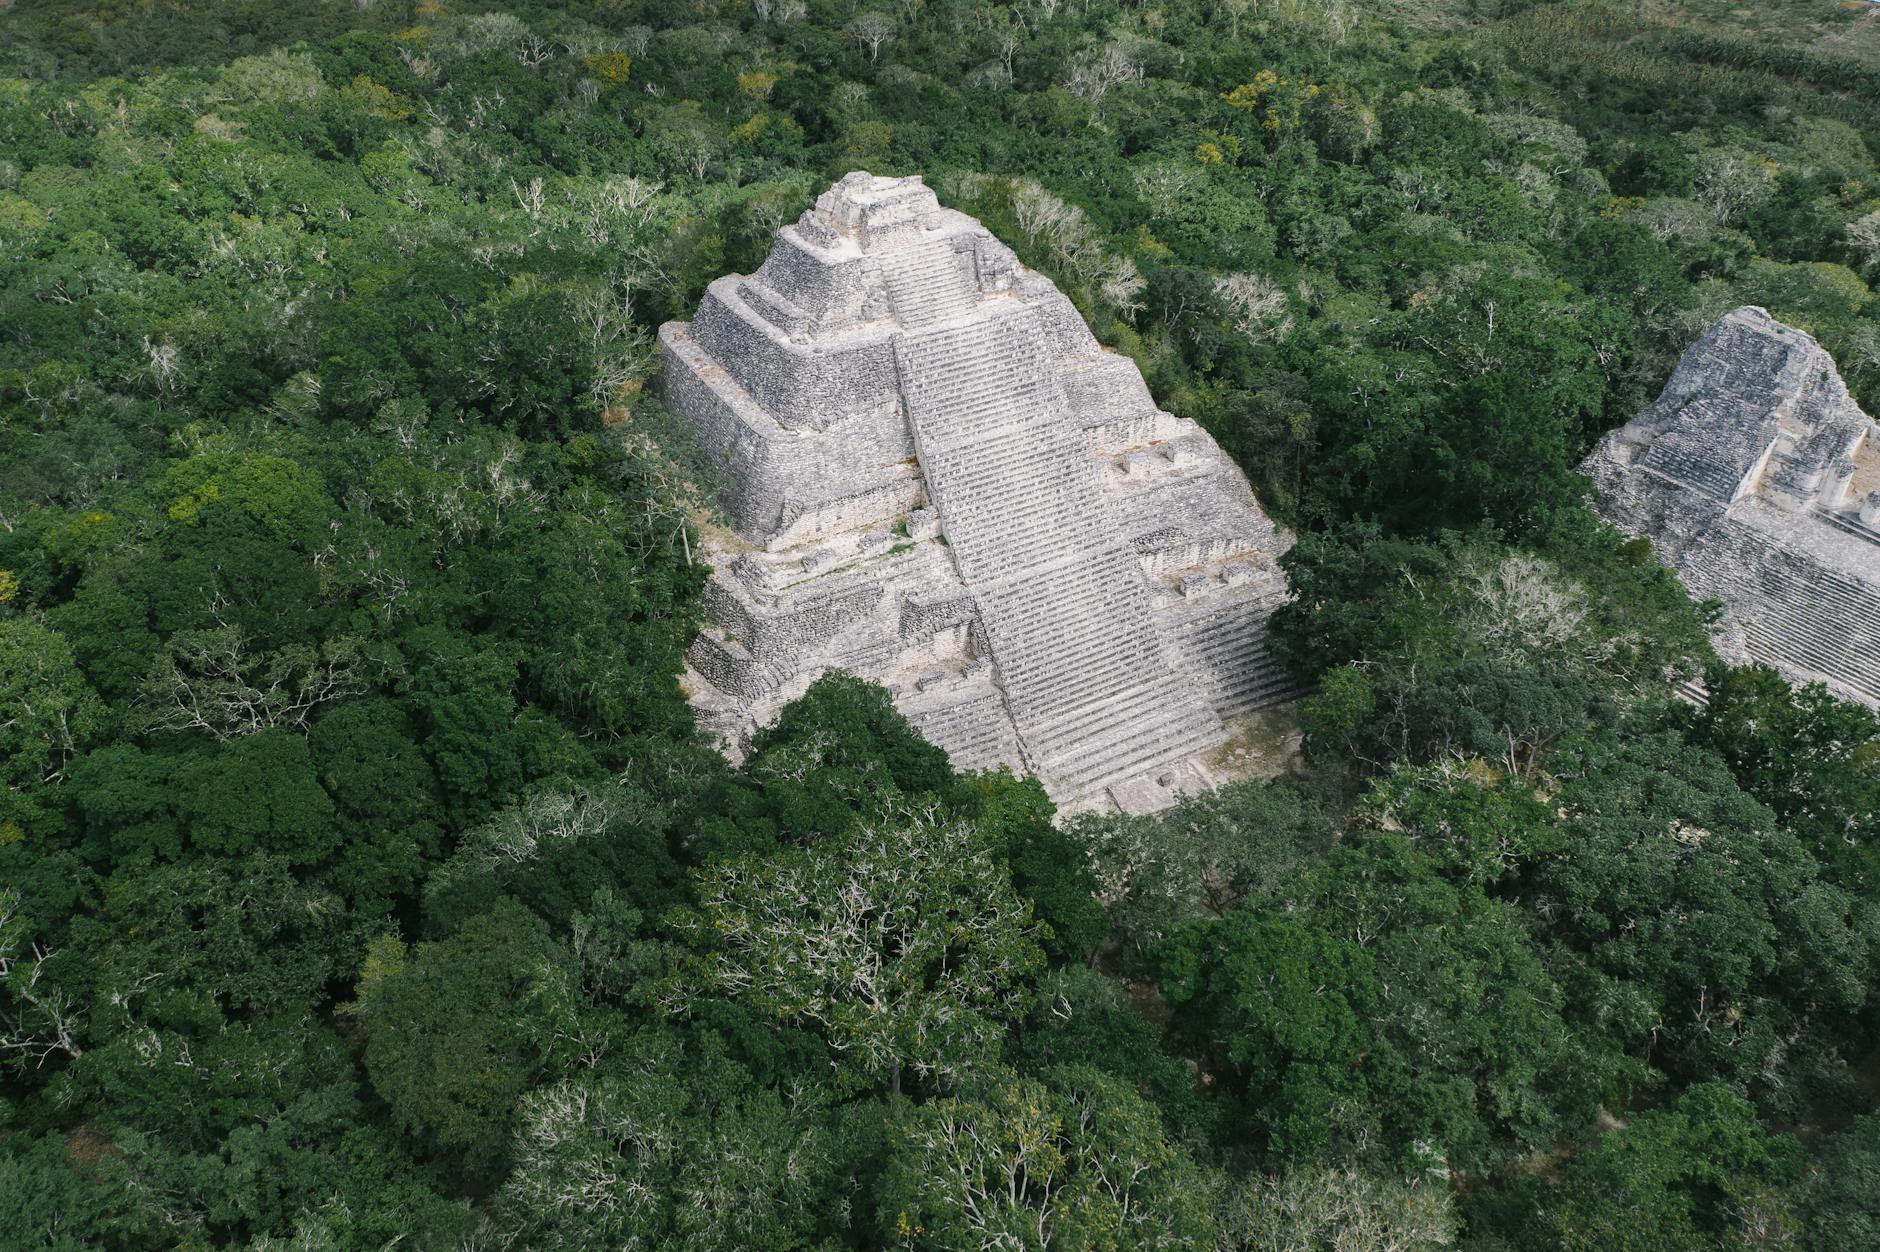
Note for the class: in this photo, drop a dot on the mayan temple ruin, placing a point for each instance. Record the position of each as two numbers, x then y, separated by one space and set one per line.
940 481
1757 478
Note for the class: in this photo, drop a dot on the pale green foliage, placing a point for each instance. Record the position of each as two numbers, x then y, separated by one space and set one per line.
622 1160
276 78
904 943
1730 180
1079 1162
543 820
45 705
1215 852
1864 234
1334 1210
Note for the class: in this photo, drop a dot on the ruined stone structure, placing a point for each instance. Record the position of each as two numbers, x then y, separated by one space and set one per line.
941 482
1757 478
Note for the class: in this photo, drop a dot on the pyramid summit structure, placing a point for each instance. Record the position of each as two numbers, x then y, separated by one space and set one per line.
1757 478
940 481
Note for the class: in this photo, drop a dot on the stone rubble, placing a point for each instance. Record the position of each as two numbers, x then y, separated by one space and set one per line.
1757 478
940 481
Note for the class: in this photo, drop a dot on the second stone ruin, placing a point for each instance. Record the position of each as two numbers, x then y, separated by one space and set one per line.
1757 478
940 481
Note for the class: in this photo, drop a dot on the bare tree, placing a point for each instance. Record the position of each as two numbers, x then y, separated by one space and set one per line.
1095 75
1235 9
851 98
871 30
903 944
162 358
1524 609
1165 186
36 1017
1341 1209
212 681
1005 42
533 52
1257 306
1864 234
1730 180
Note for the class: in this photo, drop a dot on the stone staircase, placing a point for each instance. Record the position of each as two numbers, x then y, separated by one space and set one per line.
1143 729
1227 652
929 282
973 731
1817 622
1090 688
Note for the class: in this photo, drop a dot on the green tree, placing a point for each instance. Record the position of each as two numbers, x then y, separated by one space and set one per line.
1283 1006
456 1035
658 1149
47 711
1690 1176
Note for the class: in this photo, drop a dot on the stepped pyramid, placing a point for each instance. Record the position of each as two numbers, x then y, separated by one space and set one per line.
1757 478
940 481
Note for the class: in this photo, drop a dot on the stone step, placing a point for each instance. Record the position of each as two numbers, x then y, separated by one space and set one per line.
1816 621
1069 630
1228 654
974 732
1031 513
1704 474
1851 524
929 282
1142 729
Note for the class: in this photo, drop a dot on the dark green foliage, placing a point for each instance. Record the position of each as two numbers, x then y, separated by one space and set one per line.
840 753
457 1034
50 1201
1282 1003
363 879
1671 1179
1843 1205
1672 880
1811 758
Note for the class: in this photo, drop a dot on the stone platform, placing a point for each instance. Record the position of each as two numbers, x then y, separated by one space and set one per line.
942 482
1757 478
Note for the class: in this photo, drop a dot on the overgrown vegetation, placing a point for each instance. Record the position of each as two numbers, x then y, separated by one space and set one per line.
365 883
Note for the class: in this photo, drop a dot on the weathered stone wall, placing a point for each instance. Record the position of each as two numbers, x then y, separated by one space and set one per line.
777 478
802 387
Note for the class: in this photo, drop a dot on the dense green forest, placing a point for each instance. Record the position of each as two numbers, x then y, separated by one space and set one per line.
364 882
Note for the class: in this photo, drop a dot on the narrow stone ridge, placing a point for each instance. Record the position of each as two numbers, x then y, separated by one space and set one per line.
1757 478
942 482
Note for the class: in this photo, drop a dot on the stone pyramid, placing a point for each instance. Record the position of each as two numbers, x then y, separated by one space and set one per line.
942 482
1757 478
